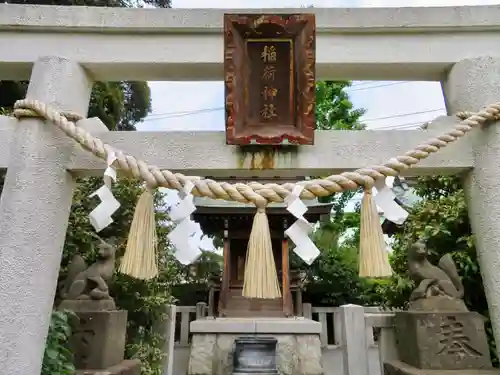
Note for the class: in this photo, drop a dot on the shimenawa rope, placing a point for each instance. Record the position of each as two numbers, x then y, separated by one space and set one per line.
256 192
262 280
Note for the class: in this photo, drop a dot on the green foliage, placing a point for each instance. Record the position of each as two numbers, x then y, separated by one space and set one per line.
120 105
334 276
334 109
440 219
207 265
58 359
144 300
108 3
196 278
4 111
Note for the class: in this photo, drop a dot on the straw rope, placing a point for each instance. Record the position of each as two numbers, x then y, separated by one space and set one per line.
255 192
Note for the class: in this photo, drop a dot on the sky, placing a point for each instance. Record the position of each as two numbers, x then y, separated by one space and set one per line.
190 106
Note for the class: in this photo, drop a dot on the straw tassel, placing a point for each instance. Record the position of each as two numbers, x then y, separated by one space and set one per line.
139 260
373 256
261 279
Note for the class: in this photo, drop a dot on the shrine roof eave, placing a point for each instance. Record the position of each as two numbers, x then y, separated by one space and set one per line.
208 206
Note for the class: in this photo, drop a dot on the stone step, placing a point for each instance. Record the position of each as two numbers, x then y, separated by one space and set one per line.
241 303
231 313
253 308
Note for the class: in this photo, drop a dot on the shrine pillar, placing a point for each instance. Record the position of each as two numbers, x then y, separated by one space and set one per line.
34 211
285 275
226 271
469 86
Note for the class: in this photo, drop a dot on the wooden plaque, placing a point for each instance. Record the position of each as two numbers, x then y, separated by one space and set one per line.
269 64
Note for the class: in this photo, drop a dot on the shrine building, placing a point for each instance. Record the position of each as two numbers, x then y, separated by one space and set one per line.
232 221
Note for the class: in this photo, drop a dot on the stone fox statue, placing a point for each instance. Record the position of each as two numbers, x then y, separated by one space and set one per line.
431 280
91 282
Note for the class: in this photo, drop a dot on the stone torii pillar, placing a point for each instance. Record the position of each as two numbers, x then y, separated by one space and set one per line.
34 211
469 86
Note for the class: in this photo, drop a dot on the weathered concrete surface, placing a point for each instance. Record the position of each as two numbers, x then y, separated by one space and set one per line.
98 340
471 84
7 128
400 368
445 340
250 326
126 367
34 211
298 350
212 354
362 44
206 154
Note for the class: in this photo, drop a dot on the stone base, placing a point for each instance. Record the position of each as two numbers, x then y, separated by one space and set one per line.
127 367
98 340
438 304
298 351
77 305
442 340
400 368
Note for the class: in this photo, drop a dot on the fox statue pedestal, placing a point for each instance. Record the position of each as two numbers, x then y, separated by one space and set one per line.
98 339
442 341
438 335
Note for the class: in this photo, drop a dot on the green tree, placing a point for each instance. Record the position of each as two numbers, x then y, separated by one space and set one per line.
334 279
441 219
107 3
334 276
334 109
197 278
144 300
118 104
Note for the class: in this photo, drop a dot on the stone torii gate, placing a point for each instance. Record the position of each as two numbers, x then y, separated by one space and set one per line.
62 50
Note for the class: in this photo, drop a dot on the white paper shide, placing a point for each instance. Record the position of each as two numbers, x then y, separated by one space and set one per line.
299 231
384 199
100 217
187 235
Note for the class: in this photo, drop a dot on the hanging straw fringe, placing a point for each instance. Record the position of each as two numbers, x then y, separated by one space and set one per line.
139 260
373 256
261 279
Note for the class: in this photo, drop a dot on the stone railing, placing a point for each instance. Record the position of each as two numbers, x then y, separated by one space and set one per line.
361 338
355 339
184 315
330 319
